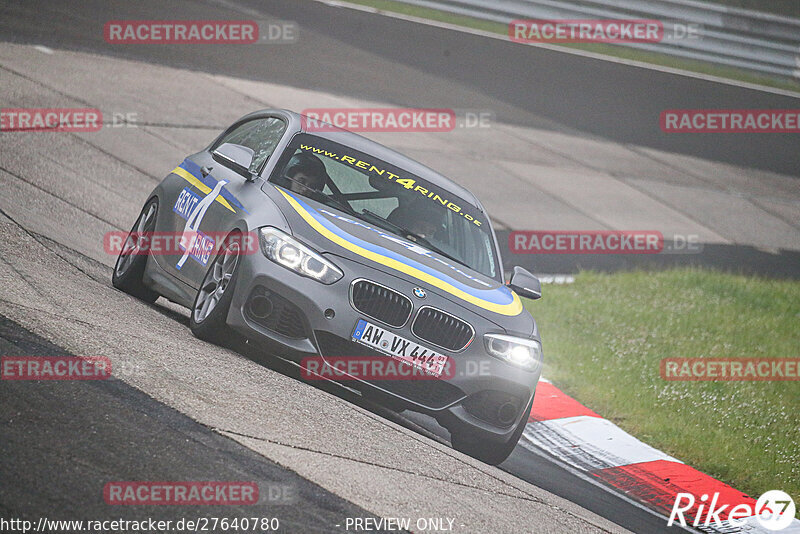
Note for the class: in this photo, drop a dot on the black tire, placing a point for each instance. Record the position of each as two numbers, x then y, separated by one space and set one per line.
129 268
489 452
210 324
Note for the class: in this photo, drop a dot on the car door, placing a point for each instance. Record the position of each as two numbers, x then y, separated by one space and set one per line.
206 202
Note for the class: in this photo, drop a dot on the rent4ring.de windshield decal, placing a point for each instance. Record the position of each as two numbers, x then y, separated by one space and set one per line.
408 183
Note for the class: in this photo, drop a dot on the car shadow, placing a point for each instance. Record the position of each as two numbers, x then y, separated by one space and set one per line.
284 362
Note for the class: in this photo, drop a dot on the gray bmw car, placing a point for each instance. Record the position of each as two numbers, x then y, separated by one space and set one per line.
336 249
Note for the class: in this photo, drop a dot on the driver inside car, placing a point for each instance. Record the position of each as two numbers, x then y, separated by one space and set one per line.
305 174
424 226
418 218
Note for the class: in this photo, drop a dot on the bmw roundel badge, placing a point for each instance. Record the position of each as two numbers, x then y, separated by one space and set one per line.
419 292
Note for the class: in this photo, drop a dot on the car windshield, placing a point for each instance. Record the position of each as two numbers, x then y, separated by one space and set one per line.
390 198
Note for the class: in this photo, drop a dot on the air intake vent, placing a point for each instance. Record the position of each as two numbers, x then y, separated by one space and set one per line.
442 329
380 303
275 313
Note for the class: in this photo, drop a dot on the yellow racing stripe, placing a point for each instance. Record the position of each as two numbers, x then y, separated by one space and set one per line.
512 309
189 177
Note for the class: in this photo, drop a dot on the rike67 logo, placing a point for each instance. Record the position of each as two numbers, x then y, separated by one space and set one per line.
774 511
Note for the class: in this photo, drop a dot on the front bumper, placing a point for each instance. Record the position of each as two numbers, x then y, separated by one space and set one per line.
311 318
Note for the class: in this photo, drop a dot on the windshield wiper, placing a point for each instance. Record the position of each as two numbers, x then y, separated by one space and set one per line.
339 204
330 201
405 232
319 196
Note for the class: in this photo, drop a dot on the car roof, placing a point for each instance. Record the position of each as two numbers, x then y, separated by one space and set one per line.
360 143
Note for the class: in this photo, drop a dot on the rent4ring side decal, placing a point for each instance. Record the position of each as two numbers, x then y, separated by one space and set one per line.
190 171
194 243
190 206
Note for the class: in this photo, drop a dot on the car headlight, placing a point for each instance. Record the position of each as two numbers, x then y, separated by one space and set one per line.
288 252
519 351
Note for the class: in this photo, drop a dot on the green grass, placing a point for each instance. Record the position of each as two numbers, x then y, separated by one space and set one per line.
604 337
618 51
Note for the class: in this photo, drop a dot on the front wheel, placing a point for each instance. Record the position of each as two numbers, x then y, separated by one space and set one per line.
129 269
213 300
487 451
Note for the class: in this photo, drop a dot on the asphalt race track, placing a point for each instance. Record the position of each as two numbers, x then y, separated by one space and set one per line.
181 409
91 432
360 55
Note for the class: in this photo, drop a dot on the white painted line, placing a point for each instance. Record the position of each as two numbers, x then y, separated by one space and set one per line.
43 49
555 48
591 442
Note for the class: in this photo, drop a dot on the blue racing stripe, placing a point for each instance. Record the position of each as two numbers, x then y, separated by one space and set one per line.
500 295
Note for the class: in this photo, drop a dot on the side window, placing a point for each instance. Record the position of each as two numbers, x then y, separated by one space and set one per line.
260 135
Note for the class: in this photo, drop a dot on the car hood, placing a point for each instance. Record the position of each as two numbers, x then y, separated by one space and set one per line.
330 230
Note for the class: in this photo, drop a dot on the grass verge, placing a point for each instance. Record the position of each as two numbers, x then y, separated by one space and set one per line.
605 335
617 51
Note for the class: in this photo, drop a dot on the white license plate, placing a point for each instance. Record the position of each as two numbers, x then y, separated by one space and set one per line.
399 347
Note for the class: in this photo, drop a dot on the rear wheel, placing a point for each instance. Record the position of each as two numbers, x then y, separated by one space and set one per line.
213 300
129 269
487 451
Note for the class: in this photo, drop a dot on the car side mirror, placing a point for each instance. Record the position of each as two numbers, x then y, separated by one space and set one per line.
236 157
524 284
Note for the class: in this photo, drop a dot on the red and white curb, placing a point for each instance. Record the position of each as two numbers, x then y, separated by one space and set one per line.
583 440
